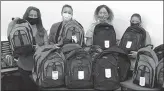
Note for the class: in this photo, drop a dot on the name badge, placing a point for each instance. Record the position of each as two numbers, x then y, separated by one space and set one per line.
107 43
74 38
142 81
129 43
54 75
107 73
80 75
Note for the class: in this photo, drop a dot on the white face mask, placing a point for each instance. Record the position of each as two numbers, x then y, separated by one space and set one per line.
67 17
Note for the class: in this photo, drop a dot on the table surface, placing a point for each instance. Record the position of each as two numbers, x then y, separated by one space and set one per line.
9 69
64 89
129 84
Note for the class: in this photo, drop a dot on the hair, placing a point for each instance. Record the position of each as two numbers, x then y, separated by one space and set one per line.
39 25
66 5
136 15
110 12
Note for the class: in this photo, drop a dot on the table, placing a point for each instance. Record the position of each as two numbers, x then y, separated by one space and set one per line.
129 84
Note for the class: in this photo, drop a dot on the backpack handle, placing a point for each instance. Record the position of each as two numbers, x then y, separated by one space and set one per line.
149 46
12 18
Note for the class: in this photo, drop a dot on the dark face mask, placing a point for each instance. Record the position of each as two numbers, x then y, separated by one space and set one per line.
135 24
33 21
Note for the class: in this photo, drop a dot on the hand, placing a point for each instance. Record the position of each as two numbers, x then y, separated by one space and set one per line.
9 59
133 54
15 18
56 46
87 49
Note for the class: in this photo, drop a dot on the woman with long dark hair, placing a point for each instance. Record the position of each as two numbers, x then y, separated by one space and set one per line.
26 62
33 16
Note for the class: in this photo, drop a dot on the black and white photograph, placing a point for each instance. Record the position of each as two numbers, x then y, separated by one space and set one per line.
82 46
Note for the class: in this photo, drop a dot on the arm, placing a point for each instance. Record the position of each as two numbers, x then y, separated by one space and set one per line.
46 38
89 34
53 32
88 41
51 35
148 39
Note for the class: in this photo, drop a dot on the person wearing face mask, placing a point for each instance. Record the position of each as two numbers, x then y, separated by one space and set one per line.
26 62
67 14
102 14
136 21
33 16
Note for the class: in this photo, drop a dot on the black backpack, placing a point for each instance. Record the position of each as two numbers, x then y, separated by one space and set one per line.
110 68
78 68
93 50
133 39
159 50
104 35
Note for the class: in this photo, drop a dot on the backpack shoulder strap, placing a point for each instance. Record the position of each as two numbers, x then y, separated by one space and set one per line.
78 23
82 42
161 61
58 32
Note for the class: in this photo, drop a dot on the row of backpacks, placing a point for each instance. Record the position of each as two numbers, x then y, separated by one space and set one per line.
103 65
91 67
149 67
75 67
21 38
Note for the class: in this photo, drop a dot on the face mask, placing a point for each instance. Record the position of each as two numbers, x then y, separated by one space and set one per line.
32 21
67 16
135 24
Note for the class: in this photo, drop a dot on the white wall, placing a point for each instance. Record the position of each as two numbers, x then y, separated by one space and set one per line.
151 12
